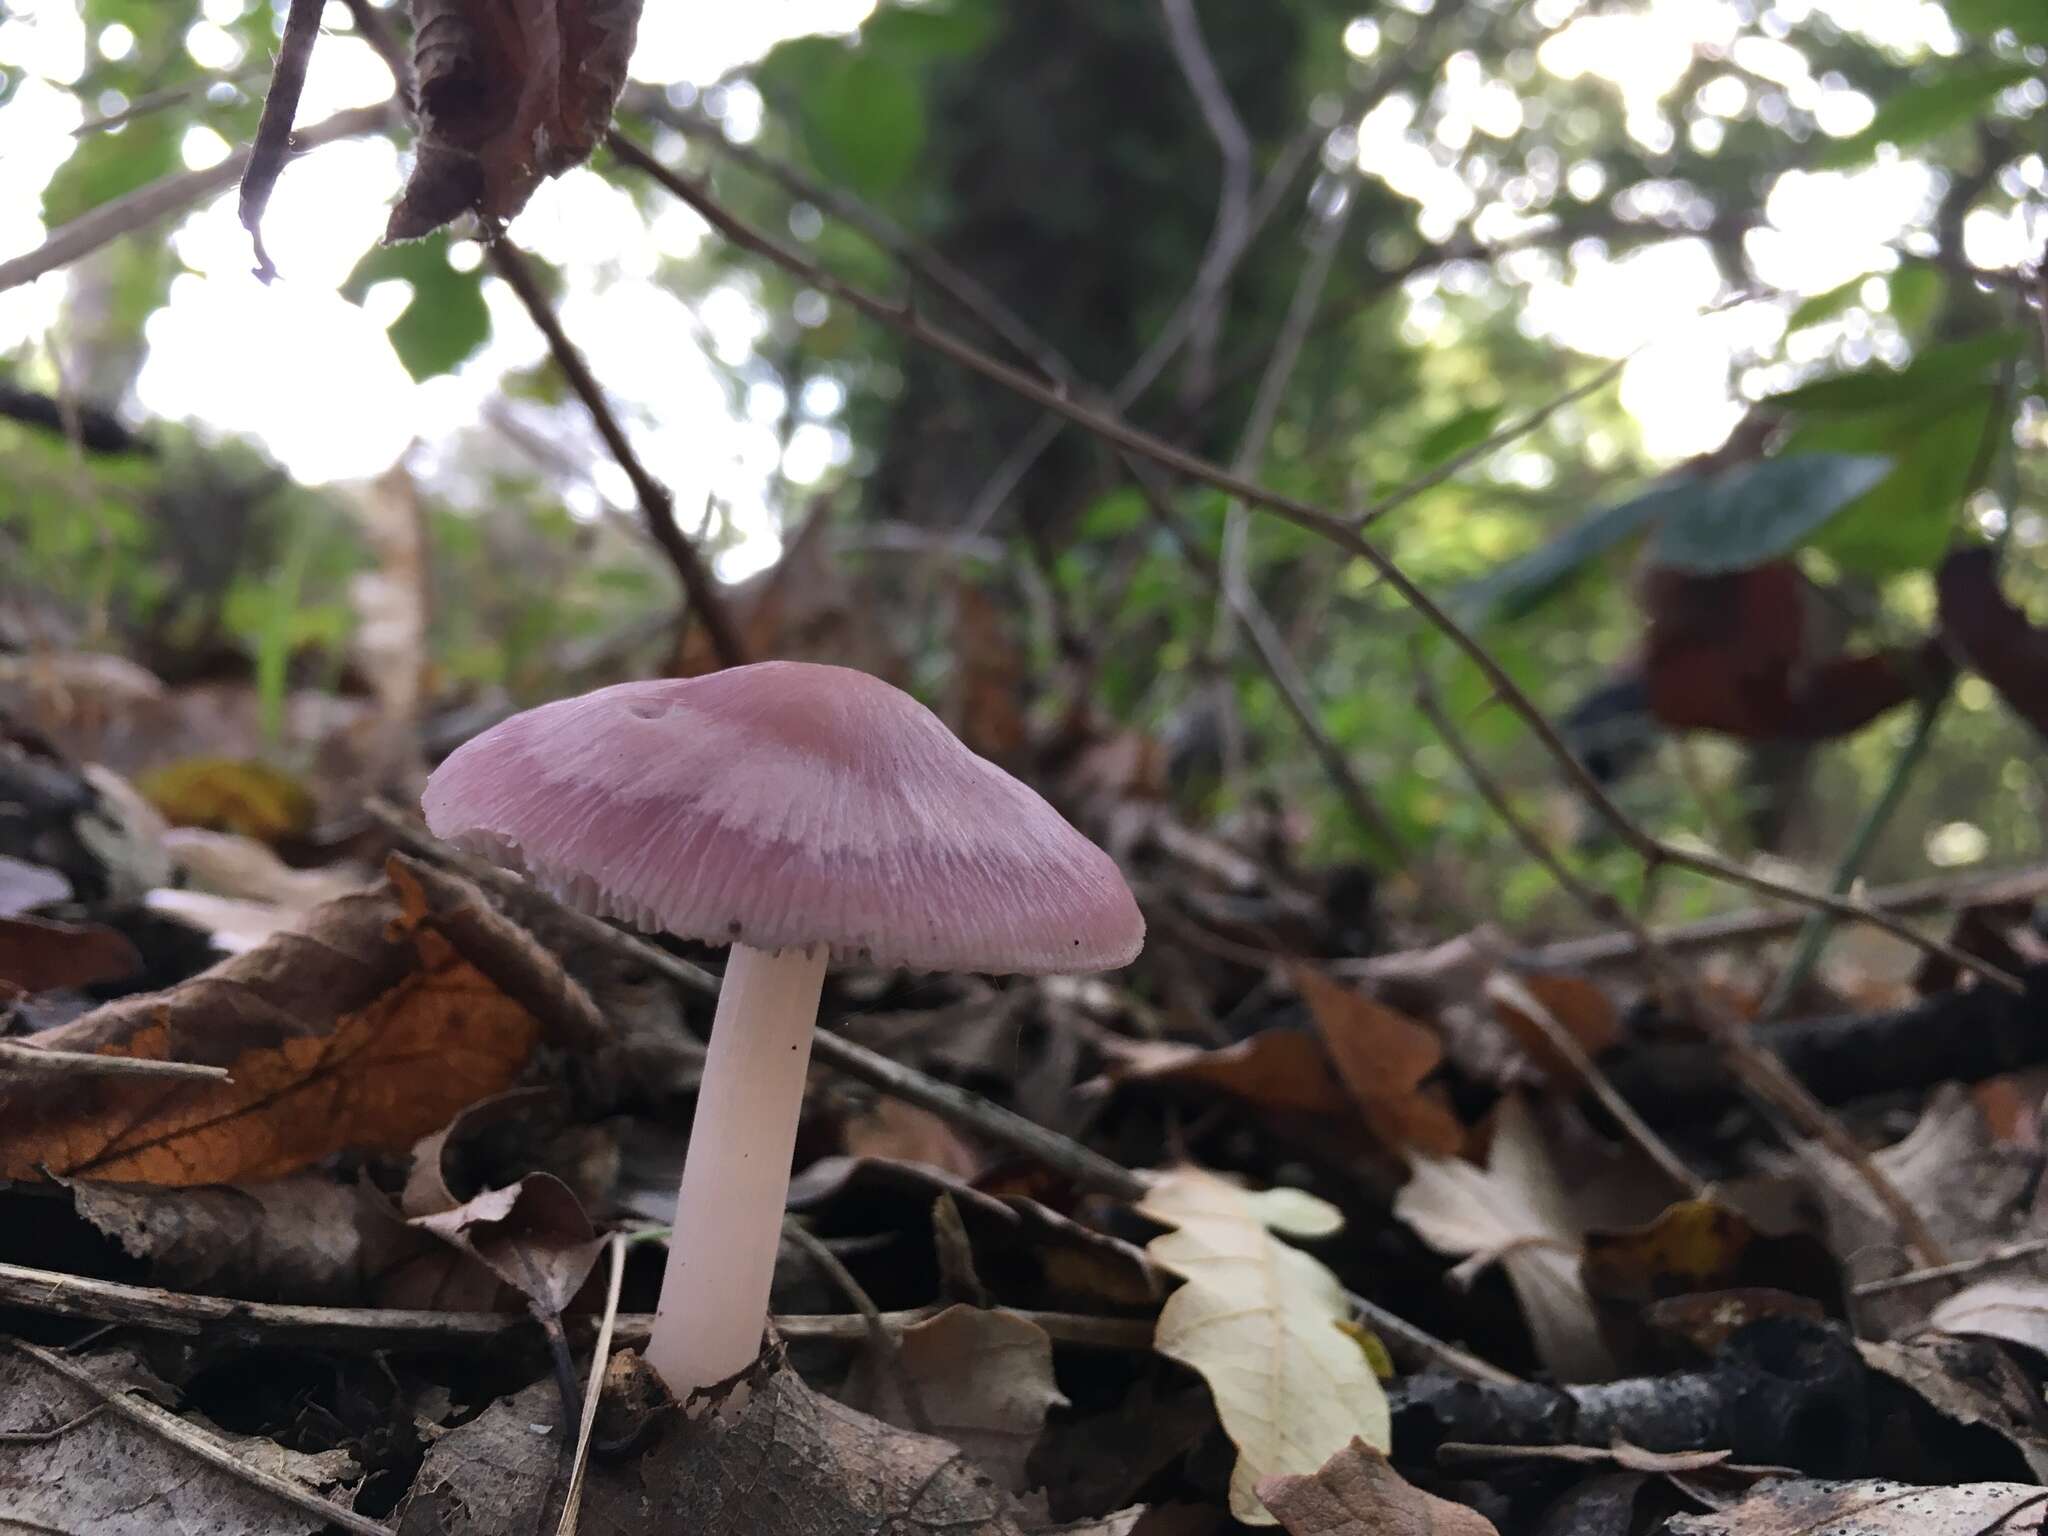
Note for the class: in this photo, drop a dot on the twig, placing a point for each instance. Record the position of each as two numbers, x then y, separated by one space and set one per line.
165 196
882 1345
17 1056
1302 514
1229 233
1521 426
1753 1065
218 1319
273 140
656 505
1991 1259
593 1392
195 1441
1507 988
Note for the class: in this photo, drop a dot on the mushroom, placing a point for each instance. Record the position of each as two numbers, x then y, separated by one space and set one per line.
799 813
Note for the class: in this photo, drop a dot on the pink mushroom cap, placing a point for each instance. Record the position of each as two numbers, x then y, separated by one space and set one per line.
787 804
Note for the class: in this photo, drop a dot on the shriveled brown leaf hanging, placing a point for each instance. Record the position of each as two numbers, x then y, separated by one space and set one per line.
511 92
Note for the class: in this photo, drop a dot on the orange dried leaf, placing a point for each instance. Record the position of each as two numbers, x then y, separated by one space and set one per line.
367 1028
1283 1070
1587 1014
1382 1056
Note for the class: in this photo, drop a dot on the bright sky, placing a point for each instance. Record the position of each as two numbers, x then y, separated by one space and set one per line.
314 378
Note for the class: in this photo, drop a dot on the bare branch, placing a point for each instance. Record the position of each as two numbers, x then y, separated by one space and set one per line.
656 505
1113 429
273 141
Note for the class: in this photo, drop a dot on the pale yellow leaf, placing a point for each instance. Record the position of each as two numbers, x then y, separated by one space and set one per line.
1257 1318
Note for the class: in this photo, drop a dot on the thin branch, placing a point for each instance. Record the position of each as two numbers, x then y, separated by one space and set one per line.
1229 233
273 142
1114 430
1754 1066
656 505
166 196
2008 1253
196 1442
882 1345
20 1057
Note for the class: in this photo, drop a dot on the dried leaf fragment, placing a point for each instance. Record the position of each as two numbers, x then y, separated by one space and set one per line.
1801 1508
1257 1319
1357 1493
1383 1056
511 92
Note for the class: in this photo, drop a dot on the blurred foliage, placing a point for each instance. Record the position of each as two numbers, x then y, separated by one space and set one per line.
1054 153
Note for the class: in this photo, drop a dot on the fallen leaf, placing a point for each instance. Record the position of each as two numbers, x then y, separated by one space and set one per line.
388 1012
2013 1310
1697 1246
228 864
983 1379
491 1475
1514 1212
227 794
533 1236
1801 1508
1257 1319
1285 1071
1587 1013
904 1133
306 1239
234 926
1382 1056
509 95
37 954
67 1468
989 673
1357 1493
1970 1380
25 886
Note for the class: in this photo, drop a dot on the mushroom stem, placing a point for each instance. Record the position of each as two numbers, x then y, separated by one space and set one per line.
714 1294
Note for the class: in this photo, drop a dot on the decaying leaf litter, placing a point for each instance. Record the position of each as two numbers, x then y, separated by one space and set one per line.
311 1163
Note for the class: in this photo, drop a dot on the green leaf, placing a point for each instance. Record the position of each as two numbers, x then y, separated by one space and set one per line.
110 163
446 319
1906 520
1921 112
2025 19
930 31
1829 305
864 122
1520 587
1937 374
1757 512
1448 439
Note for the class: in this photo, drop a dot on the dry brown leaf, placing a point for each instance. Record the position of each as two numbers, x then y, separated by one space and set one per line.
1801 1508
904 1133
533 1236
37 954
388 1012
1382 1056
1515 1211
1587 1013
988 675
2013 1310
107 1475
1285 1071
1972 1381
1357 1493
306 1239
983 1379
1699 1246
511 92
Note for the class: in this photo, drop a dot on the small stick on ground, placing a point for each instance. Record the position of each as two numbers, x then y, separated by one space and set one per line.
273 143
2010 1253
593 1392
17 1057
195 1441
888 1354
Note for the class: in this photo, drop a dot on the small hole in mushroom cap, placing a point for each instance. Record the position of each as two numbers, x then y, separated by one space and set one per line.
644 710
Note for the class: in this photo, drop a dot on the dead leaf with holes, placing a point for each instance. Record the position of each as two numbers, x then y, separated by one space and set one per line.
1383 1056
365 1029
511 92
1514 1212
1258 1319
982 1378
1357 1493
